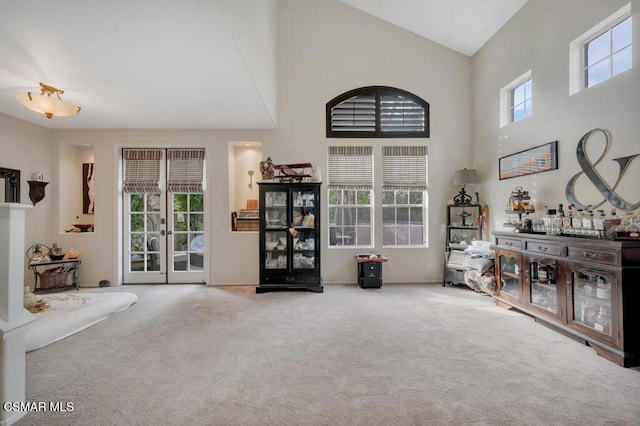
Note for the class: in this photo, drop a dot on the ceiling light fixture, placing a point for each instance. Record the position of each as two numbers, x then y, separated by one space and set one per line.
46 104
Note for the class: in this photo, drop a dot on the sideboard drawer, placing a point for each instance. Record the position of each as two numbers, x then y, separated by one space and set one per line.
509 242
545 248
601 256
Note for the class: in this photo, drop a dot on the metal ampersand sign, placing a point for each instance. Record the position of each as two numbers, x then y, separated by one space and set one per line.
589 169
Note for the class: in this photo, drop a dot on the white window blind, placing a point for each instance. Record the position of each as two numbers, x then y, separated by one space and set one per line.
186 170
400 114
350 167
404 168
141 170
356 114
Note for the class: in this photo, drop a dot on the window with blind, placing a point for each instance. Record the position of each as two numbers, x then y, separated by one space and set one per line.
350 187
377 112
404 196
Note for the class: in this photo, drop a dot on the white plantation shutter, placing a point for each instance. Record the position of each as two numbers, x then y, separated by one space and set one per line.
399 114
404 168
185 170
377 112
356 114
141 170
350 167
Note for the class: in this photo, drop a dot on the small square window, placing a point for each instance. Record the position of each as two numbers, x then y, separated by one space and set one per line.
516 99
602 52
608 54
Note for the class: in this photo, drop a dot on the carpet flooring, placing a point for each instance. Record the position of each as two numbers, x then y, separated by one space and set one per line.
399 355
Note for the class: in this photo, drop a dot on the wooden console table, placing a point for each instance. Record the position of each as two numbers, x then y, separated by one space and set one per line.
68 278
585 288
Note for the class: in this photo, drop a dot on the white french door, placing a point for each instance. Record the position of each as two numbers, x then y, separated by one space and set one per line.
164 235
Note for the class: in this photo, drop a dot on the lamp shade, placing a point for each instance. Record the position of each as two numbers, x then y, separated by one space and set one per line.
45 103
465 176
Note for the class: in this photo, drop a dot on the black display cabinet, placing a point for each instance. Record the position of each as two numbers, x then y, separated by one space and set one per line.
289 236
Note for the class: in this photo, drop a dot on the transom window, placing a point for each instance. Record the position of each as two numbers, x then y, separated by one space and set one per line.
608 54
602 52
516 99
377 112
521 101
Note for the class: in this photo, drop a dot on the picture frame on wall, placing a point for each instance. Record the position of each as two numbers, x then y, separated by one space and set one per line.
538 159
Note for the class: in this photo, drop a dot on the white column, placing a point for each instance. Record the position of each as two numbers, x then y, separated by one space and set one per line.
14 319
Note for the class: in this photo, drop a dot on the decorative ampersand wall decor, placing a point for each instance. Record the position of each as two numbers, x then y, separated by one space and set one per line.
589 170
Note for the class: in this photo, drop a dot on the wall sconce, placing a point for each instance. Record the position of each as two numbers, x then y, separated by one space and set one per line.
45 104
36 190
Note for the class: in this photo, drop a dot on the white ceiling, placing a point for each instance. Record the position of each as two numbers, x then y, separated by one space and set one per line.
192 64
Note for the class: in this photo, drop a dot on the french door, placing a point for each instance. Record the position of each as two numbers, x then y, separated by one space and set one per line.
164 235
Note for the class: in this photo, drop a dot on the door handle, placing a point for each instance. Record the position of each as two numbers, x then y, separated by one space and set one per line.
169 232
162 232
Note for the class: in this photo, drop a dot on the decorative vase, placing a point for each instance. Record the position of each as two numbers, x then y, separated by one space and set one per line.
316 174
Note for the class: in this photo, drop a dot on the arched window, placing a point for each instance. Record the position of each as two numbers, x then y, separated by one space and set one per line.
377 112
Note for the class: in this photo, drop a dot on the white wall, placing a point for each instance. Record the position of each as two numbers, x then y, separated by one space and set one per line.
538 38
28 148
326 48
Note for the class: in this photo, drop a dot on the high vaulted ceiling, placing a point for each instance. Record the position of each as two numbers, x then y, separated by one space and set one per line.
189 64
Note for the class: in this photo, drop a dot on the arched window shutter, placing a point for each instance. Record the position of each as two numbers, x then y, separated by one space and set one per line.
377 112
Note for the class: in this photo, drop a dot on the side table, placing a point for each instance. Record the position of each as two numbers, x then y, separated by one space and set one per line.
66 278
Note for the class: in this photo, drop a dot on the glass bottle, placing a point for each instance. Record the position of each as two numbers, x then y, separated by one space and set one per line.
577 219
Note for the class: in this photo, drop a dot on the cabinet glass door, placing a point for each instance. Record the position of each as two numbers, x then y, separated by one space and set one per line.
303 235
509 275
276 230
592 300
543 291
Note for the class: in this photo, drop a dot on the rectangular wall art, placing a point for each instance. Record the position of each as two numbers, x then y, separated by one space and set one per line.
533 160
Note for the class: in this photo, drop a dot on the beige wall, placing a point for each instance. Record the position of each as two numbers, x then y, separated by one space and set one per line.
324 49
538 38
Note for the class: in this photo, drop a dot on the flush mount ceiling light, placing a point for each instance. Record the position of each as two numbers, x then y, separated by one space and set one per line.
46 104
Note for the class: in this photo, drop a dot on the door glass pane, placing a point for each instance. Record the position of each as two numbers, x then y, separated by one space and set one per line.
543 288
592 301
509 275
188 238
144 224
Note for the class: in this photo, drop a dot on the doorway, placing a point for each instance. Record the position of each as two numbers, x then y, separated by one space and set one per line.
164 216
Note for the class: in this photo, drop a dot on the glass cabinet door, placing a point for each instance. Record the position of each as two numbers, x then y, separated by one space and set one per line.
592 300
543 291
276 230
303 235
509 264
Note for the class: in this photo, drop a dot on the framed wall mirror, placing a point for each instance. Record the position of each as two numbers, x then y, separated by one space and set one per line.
11 180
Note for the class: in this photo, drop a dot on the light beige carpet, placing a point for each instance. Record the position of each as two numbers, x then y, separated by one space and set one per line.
399 355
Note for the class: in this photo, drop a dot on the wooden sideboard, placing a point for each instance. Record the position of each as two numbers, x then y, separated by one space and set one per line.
586 288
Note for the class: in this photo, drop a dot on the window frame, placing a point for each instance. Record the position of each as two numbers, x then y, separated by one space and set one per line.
506 99
359 177
377 92
577 60
610 52
334 208
513 105
395 205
